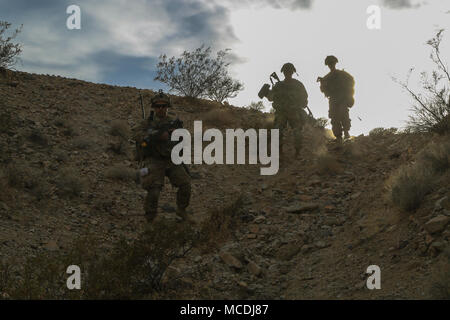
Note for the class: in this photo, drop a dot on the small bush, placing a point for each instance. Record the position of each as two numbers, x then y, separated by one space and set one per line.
437 156
69 183
9 52
118 147
82 143
120 128
220 225
382 132
410 185
256 106
120 173
218 117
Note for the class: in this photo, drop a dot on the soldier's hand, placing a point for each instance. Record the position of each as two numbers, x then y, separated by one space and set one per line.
164 136
319 79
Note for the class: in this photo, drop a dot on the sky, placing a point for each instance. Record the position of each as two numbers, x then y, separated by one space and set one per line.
120 43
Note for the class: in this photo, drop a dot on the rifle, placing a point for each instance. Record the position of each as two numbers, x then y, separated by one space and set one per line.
142 105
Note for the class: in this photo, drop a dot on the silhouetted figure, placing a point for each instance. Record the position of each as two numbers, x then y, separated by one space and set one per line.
289 100
338 87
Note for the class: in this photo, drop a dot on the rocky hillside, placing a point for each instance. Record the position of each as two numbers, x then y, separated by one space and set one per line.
310 231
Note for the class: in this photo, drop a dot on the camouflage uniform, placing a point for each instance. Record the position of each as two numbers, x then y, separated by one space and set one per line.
289 100
157 159
337 85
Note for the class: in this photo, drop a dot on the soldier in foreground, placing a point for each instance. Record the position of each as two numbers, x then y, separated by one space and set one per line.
289 100
338 87
154 148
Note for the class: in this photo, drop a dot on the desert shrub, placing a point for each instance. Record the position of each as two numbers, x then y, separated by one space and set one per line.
410 184
81 143
60 155
130 270
256 106
118 147
120 173
437 156
69 183
382 132
119 128
9 51
431 109
218 117
220 225
198 75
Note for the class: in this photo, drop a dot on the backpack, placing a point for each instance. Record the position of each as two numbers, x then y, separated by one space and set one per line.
347 87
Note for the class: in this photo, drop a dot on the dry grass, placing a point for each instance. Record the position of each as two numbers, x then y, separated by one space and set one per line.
437 156
82 143
120 128
410 184
120 173
69 183
219 118
220 225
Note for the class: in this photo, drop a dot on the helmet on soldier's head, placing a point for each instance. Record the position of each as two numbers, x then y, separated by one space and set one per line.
331 60
288 67
160 99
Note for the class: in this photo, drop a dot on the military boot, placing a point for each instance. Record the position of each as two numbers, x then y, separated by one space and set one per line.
346 135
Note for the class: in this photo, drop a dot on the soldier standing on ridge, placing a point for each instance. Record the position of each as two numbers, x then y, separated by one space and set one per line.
154 149
338 87
289 100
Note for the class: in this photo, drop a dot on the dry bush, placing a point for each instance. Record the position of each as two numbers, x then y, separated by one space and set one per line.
220 225
219 118
437 156
119 147
82 143
410 184
120 173
130 270
120 128
69 183
382 132
68 129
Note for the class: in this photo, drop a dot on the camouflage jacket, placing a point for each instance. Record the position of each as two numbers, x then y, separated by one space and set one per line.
149 142
337 85
288 96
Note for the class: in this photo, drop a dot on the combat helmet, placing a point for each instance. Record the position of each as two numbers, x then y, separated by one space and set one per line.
288 67
330 60
161 99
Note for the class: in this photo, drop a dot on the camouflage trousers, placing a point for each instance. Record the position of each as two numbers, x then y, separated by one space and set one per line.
154 182
296 121
340 119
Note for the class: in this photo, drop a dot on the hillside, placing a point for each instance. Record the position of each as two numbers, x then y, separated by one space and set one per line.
308 232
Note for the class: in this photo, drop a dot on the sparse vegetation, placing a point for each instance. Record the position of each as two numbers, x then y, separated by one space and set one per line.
382 132
9 51
218 117
131 270
38 137
82 143
198 75
120 128
410 184
256 106
69 183
120 173
327 164
431 110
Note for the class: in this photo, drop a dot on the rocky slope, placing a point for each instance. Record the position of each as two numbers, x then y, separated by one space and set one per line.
310 231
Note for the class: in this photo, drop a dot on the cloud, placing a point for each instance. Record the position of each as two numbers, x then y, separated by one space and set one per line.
400 4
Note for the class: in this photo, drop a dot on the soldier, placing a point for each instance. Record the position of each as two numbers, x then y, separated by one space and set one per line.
154 148
289 99
338 87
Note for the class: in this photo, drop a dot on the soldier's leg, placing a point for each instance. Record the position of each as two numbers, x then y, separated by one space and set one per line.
279 123
346 122
296 122
336 126
153 183
180 179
